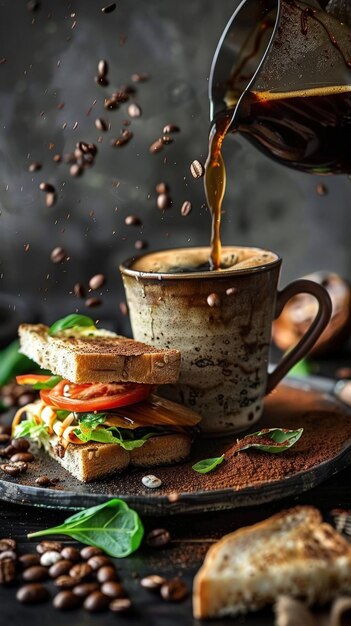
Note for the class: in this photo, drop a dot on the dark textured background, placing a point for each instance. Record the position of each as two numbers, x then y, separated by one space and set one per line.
48 61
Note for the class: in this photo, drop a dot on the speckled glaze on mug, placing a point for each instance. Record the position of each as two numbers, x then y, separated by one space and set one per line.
224 348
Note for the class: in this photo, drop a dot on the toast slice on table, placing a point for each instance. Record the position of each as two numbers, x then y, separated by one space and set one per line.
291 553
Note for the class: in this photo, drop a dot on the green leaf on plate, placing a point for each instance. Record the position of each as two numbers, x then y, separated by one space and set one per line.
281 436
74 320
207 465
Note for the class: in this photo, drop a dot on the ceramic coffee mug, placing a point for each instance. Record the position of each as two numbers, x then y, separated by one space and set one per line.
221 322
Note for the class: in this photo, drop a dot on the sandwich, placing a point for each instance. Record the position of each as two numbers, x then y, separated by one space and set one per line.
97 412
292 553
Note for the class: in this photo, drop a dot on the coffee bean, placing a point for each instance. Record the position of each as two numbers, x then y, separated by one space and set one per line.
120 605
213 300
10 469
140 245
125 137
97 281
88 551
49 558
102 80
120 96
110 104
5 430
58 255
103 68
186 208
156 146
57 158
123 308
321 189
139 78
27 560
46 546
8 554
9 450
197 169
113 589
92 302
60 568
50 199
97 561
167 139
33 5
132 220
35 574
4 438
163 201
9 400
21 465
21 444
85 589
43 481
96 602
32 594
66 601
152 582
230 291
101 125
7 571
71 553
109 8
34 167
174 590
158 538
75 170
66 582
7 544
162 188
47 187
171 128
106 573
80 571
134 110
79 290
26 457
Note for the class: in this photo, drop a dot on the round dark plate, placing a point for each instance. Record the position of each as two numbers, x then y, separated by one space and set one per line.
323 450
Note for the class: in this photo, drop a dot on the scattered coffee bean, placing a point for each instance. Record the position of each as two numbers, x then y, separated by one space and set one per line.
110 104
97 281
21 465
106 573
96 602
140 245
57 158
162 188
46 546
34 167
97 561
50 558
71 553
32 594
25 398
139 78
132 220
75 170
26 457
156 146
152 582
197 169
120 605
85 589
134 110
109 8
66 601
163 201
10 469
92 302
47 187
58 255
151 482
80 571
5 430
33 5
7 544
28 560
43 481
50 199
101 125
103 68
7 571
167 139
321 189
35 574
171 128
121 96
174 590
231 291
113 589
186 208
66 582
60 568
213 300
158 538
88 551
21 444
4 438
125 138
123 307
9 450
79 290
8 554
102 80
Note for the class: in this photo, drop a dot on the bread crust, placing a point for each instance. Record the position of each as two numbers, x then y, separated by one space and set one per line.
103 359
92 461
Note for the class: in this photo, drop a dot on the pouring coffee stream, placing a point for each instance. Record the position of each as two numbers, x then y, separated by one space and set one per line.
281 77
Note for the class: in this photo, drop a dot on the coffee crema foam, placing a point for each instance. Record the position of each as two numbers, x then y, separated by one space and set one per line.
191 260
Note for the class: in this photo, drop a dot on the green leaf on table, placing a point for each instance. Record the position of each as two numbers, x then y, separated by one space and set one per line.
112 526
13 363
49 384
301 368
74 320
207 465
34 431
281 440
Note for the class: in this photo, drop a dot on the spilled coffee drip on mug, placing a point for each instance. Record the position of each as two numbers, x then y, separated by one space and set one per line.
309 130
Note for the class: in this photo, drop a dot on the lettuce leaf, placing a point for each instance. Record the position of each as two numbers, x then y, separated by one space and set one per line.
36 432
90 430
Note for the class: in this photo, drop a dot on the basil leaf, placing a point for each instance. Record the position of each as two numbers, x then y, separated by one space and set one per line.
112 526
207 465
91 420
36 432
71 321
12 363
111 435
49 384
285 438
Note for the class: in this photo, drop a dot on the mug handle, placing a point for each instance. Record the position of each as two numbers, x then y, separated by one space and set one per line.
312 333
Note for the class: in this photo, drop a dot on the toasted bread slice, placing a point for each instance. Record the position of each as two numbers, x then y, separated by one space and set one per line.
292 553
98 359
92 461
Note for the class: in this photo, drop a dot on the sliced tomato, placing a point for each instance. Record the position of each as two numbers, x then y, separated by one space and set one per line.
94 396
31 379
